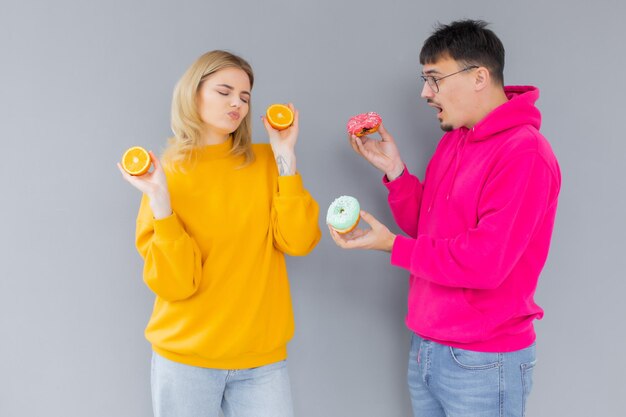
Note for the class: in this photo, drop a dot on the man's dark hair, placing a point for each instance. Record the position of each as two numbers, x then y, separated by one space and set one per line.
467 42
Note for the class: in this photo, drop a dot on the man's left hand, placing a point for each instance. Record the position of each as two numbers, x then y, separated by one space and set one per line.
378 237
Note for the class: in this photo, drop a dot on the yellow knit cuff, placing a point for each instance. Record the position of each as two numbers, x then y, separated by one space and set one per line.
290 185
168 228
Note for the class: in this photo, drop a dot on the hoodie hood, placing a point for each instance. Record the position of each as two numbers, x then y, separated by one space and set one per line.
519 110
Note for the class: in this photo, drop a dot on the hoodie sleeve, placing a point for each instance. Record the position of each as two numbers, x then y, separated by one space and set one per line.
512 206
405 198
294 217
172 259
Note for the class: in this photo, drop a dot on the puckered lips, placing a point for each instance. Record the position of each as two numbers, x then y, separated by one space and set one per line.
234 115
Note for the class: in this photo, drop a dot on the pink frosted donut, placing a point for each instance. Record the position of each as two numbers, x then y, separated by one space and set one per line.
364 124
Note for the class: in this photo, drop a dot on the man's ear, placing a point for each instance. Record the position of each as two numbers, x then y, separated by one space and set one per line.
482 78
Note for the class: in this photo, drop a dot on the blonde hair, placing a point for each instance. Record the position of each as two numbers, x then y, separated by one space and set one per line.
186 121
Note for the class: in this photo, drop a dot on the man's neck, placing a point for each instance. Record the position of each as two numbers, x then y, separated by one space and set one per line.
487 103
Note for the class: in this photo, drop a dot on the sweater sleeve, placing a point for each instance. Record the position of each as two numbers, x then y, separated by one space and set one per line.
172 259
512 206
405 198
294 217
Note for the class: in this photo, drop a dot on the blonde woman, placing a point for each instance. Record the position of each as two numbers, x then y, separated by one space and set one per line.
214 224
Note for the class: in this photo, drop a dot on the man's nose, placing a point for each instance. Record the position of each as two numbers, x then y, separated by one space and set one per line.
427 91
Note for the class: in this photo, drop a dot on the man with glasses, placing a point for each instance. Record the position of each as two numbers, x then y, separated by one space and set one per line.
478 225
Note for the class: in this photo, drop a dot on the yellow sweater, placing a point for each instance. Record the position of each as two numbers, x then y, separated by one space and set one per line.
216 264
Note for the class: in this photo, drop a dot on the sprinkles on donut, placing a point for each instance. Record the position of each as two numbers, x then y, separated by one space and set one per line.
344 214
364 124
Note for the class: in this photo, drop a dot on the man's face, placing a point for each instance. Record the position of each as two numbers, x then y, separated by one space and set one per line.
454 100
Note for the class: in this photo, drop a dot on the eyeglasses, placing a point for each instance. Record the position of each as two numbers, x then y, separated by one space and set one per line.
432 81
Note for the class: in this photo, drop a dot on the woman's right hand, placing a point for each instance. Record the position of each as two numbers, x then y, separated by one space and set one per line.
154 185
382 154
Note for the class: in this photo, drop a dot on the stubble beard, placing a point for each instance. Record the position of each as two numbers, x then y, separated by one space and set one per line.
446 127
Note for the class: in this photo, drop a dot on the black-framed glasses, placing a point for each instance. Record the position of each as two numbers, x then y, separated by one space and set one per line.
432 81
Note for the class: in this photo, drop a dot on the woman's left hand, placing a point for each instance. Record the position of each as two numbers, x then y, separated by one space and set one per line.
283 144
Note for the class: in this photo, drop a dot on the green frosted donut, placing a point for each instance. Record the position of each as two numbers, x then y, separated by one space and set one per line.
343 213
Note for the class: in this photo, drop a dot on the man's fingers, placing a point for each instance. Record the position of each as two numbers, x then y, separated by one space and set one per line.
369 219
356 233
385 136
354 145
349 240
335 236
362 150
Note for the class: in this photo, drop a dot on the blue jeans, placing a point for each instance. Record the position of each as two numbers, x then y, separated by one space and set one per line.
180 390
451 382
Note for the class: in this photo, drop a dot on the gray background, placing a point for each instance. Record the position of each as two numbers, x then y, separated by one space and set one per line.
80 82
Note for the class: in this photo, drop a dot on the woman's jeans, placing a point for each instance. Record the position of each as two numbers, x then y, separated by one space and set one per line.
449 382
188 391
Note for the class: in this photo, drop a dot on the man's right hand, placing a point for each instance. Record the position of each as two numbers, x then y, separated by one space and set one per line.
383 154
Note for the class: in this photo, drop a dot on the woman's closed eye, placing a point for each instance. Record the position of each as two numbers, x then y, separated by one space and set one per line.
244 98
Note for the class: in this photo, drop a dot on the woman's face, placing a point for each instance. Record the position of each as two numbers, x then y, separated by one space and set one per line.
223 100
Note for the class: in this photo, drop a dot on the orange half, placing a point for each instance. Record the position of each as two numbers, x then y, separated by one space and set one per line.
279 116
136 161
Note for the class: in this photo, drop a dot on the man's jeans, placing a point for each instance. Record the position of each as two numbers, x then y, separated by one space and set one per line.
188 391
451 382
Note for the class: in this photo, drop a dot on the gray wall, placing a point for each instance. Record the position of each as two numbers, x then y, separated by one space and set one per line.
80 83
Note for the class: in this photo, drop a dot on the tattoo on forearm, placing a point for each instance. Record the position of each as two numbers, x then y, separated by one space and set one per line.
283 165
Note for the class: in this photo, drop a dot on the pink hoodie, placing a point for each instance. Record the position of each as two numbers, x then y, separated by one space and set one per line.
480 227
